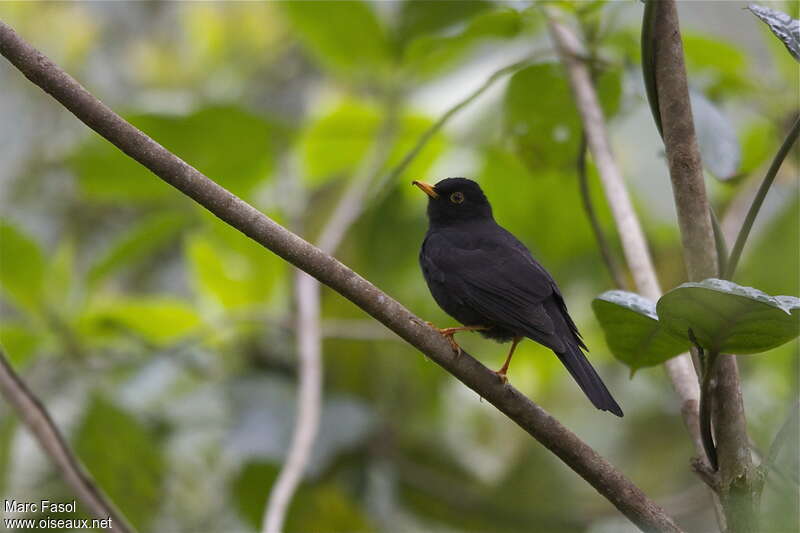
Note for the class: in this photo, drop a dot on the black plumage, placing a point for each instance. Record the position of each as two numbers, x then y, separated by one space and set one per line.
484 277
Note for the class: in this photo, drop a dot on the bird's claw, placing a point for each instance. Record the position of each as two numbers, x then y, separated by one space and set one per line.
501 375
449 334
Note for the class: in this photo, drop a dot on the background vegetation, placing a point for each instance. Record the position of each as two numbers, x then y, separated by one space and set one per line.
162 340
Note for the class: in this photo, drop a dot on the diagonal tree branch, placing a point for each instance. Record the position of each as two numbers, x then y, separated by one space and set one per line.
45 431
579 456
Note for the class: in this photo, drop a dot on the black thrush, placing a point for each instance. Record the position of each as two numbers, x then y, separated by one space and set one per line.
484 277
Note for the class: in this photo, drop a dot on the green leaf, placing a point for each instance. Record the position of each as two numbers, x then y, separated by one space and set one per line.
124 458
716 136
717 65
541 118
61 278
317 507
230 271
344 36
633 332
782 25
229 145
20 342
425 17
430 54
158 320
138 243
728 318
21 267
335 144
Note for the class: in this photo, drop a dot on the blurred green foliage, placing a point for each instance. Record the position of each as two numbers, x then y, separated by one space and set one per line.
139 318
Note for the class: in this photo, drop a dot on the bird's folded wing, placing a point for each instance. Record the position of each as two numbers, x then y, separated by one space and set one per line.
504 284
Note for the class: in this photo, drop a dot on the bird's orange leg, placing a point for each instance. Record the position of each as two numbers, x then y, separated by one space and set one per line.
502 372
449 334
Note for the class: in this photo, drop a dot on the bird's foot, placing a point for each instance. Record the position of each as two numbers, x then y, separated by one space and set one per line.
501 374
449 334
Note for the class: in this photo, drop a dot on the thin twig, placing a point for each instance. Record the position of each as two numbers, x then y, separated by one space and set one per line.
755 207
578 455
309 332
680 370
784 434
45 431
309 400
602 243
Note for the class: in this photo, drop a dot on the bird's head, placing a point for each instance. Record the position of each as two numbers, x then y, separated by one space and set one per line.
454 200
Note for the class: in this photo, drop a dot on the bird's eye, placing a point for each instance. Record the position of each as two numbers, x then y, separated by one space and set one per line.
457 197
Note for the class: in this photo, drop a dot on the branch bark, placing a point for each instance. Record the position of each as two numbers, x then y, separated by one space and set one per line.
738 490
585 461
679 369
45 431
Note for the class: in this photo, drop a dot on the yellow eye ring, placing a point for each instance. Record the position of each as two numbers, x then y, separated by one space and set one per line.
457 197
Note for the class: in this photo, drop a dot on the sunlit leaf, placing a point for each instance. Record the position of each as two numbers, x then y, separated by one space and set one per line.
728 318
782 25
632 329
230 145
138 243
344 36
22 267
124 458
716 136
540 114
157 320
336 143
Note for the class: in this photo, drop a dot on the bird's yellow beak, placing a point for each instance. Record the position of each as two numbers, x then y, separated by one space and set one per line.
426 188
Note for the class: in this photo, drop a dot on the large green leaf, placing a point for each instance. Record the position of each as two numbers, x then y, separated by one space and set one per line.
345 36
158 320
138 243
229 145
728 318
22 267
430 54
719 66
633 332
124 458
541 118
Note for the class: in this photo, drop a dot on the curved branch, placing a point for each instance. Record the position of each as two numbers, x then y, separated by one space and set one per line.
45 431
578 455
309 402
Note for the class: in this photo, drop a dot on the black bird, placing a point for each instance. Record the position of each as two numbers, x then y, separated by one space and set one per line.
484 277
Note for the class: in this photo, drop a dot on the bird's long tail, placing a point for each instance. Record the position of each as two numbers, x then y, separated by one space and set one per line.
586 376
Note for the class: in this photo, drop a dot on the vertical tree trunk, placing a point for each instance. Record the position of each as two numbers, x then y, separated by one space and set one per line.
738 480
